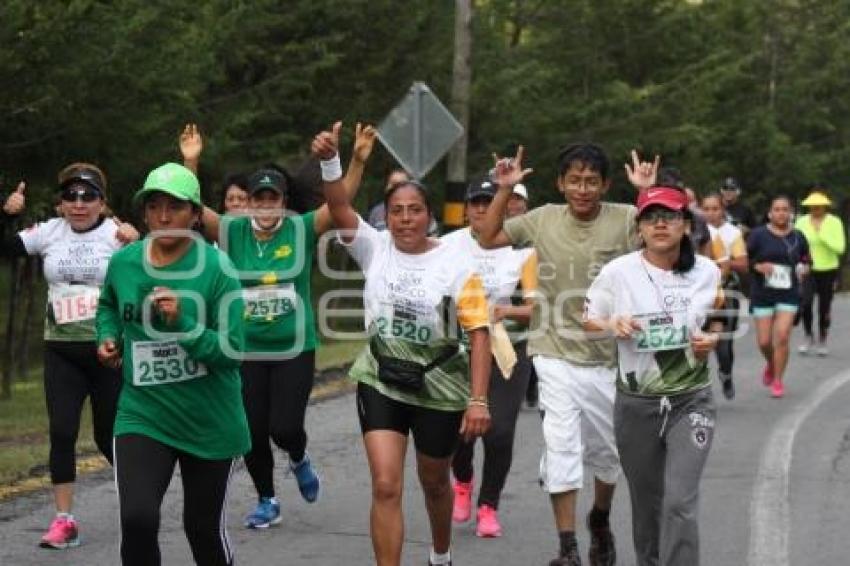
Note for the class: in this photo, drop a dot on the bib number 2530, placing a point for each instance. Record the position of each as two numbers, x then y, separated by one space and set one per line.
160 363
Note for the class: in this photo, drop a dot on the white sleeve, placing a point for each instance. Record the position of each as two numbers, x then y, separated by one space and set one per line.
599 300
365 243
35 237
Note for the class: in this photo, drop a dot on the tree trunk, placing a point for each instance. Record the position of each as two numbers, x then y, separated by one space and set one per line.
461 81
28 278
9 345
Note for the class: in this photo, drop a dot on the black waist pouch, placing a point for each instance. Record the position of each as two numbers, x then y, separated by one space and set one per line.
406 374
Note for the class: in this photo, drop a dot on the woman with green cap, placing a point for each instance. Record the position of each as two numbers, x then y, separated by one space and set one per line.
825 234
171 316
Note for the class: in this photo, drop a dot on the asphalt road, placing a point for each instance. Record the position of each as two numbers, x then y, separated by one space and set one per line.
776 490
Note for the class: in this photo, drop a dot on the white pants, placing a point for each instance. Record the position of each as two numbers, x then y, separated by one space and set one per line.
578 423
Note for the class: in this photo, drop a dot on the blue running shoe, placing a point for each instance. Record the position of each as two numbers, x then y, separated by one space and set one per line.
266 514
307 478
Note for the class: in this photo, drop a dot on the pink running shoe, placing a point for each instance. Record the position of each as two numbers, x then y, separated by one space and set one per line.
777 389
767 376
462 509
488 523
62 534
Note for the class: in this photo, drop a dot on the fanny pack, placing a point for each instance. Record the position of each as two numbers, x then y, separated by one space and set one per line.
406 374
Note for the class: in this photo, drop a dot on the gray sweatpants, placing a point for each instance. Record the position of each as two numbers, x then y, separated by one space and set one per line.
663 444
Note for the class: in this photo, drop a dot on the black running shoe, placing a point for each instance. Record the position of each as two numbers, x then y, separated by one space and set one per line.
571 558
602 551
729 388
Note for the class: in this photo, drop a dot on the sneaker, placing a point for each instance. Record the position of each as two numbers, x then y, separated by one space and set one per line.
767 376
462 509
777 389
488 523
602 550
804 348
822 351
728 387
307 478
63 533
571 558
266 514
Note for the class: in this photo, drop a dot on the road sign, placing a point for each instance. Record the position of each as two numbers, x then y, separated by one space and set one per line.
419 130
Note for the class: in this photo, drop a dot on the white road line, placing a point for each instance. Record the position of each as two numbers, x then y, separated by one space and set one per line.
769 508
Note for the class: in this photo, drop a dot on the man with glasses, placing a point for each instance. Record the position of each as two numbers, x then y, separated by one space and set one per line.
576 375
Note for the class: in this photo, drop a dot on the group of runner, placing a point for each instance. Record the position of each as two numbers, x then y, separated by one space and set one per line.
206 339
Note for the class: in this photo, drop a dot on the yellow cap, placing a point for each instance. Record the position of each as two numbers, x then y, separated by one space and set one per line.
817 199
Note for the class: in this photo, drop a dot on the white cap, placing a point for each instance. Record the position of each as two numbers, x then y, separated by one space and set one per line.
519 189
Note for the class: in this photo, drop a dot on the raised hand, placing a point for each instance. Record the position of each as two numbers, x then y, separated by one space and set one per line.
326 144
508 171
364 141
16 202
642 174
191 143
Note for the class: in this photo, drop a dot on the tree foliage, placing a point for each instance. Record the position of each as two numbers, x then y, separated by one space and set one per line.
718 87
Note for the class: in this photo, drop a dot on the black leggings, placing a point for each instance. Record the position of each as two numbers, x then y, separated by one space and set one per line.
725 353
276 396
822 284
72 373
505 398
143 470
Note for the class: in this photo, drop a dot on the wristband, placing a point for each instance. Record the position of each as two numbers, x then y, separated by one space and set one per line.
331 169
478 402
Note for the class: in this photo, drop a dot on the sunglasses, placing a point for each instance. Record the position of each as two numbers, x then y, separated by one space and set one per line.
653 215
73 194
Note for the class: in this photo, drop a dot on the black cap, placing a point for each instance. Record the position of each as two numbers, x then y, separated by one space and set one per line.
481 188
267 179
730 184
86 177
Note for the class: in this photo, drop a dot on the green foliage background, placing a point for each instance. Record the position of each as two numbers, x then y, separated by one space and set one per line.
755 89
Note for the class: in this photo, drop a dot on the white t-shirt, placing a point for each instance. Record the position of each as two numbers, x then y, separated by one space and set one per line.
669 307
406 299
74 267
500 269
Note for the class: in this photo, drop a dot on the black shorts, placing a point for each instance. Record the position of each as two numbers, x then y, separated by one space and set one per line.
435 433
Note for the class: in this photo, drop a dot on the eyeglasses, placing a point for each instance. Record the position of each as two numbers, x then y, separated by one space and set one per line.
74 194
590 183
653 215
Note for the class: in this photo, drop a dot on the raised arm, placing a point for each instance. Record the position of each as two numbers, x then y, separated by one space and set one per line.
508 172
364 141
642 174
191 146
16 202
337 205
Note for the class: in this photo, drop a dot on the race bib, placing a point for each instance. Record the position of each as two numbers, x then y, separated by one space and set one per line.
74 303
404 323
268 303
779 278
662 331
163 363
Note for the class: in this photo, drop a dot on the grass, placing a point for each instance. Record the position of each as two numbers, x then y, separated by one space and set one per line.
23 420
23 433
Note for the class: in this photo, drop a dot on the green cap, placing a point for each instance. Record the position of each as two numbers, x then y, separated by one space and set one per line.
174 180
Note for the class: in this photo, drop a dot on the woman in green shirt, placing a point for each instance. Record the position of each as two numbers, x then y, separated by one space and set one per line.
172 317
272 247
825 234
